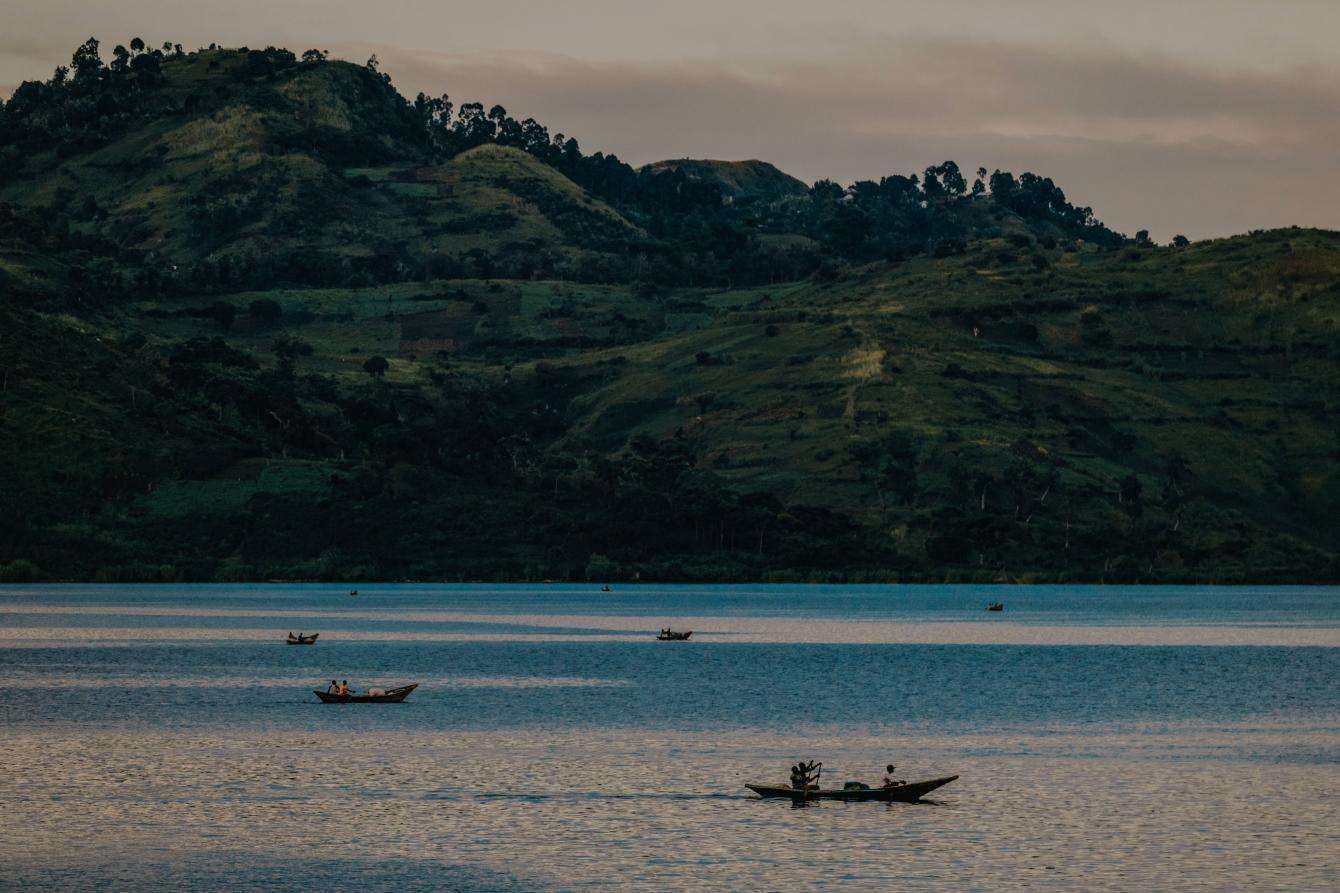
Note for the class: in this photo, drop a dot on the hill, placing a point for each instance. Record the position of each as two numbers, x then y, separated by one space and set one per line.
753 180
301 328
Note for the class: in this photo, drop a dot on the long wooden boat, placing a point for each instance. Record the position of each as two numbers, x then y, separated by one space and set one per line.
672 636
392 696
903 793
302 640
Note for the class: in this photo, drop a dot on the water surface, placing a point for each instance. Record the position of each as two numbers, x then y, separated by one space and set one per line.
161 737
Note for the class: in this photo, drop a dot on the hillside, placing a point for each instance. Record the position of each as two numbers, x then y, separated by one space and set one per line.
754 180
296 327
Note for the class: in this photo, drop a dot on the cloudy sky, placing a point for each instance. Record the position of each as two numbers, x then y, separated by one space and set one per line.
1205 117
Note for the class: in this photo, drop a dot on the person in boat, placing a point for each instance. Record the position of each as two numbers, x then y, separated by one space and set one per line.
889 781
334 688
343 689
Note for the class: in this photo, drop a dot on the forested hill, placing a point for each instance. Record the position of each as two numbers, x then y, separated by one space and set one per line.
262 317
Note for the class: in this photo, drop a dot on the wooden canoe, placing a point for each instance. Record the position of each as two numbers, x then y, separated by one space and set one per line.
303 640
674 636
903 793
392 696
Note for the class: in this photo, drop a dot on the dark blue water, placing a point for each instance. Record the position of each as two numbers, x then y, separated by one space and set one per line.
1107 738
655 685
1308 605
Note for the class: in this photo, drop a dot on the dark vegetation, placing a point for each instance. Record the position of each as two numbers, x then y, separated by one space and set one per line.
260 317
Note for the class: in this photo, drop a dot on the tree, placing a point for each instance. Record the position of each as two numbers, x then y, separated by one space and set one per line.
137 45
931 185
376 366
146 63
1180 241
1003 186
952 179
288 346
314 56
86 61
1128 494
1142 237
223 313
265 310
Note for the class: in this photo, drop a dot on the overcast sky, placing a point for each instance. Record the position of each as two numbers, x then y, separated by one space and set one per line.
1205 117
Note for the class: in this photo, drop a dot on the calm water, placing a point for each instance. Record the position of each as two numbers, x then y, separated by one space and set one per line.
1107 738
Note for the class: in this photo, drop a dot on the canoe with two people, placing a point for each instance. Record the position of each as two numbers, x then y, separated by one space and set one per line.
300 639
891 789
341 693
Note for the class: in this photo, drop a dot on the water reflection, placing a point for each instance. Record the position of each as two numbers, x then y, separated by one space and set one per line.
154 743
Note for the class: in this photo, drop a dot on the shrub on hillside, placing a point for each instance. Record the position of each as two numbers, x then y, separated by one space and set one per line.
20 570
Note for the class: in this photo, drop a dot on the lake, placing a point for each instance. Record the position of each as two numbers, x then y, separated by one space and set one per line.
160 737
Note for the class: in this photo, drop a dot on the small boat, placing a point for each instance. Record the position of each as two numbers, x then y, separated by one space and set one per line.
669 635
390 696
903 793
606 588
996 606
353 592
300 639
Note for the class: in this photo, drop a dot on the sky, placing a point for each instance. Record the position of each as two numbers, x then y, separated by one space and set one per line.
1201 117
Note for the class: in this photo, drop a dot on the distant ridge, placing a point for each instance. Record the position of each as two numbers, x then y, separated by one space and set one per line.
752 179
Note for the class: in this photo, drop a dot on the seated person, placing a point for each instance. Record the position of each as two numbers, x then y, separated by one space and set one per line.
333 688
889 781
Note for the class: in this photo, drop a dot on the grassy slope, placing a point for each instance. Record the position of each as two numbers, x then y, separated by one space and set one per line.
751 179
494 197
1029 382
1223 353
252 175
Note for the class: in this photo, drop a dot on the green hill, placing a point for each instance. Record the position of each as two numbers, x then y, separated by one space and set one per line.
297 327
306 169
753 179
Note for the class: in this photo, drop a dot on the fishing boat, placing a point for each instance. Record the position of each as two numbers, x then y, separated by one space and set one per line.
996 606
300 639
390 696
669 635
909 792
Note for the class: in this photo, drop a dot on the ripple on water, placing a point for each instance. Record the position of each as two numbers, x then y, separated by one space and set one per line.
1114 740
647 811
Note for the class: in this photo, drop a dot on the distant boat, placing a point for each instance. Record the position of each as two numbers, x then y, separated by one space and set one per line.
606 588
669 635
300 639
392 696
353 592
996 606
903 793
